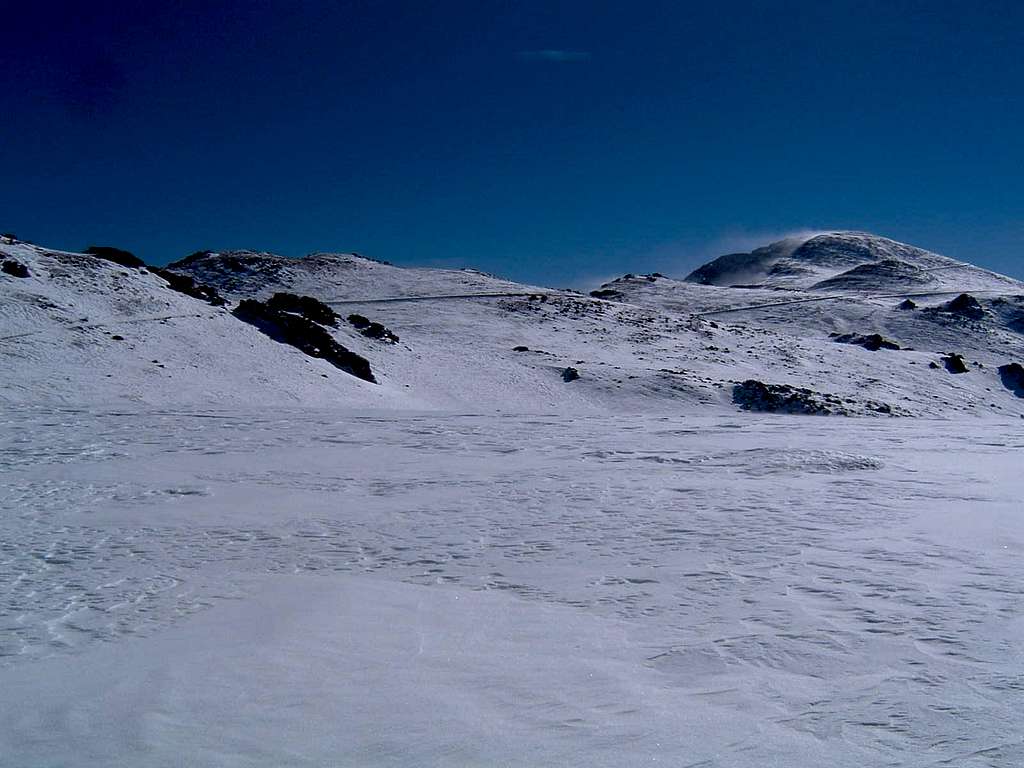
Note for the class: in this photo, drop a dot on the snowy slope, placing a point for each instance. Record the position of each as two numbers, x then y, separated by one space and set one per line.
656 344
333 276
652 343
58 343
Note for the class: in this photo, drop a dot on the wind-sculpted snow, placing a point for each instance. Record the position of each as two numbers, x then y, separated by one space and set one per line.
728 591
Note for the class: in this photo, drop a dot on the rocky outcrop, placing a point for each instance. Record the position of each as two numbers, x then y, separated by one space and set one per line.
187 285
872 342
753 395
570 374
307 306
14 268
965 306
372 330
303 334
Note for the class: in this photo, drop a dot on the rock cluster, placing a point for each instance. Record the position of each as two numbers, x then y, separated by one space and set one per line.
303 334
188 285
872 342
753 395
307 306
372 330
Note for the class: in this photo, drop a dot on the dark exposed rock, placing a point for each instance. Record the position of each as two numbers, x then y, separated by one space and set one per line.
372 330
303 334
187 285
872 342
963 305
378 331
116 337
753 395
307 306
606 293
1012 376
570 374
933 364
14 268
906 304
955 363
520 349
116 255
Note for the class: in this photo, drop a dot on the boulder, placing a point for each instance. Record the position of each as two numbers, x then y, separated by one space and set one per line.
955 363
570 374
14 268
1012 376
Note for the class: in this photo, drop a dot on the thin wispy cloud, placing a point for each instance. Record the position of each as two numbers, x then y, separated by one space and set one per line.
554 55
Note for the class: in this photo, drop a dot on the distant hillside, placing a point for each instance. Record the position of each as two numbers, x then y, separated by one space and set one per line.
848 261
826 326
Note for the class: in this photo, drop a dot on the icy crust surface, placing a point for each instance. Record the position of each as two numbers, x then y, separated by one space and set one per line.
314 587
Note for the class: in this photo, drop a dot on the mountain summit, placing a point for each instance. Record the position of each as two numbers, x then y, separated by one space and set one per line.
854 261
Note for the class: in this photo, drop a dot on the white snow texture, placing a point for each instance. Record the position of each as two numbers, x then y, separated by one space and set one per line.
218 550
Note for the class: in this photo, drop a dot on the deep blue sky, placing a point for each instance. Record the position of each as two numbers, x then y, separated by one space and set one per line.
560 142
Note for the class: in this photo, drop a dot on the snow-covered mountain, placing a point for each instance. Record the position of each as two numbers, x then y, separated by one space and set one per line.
848 261
838 323
327 511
